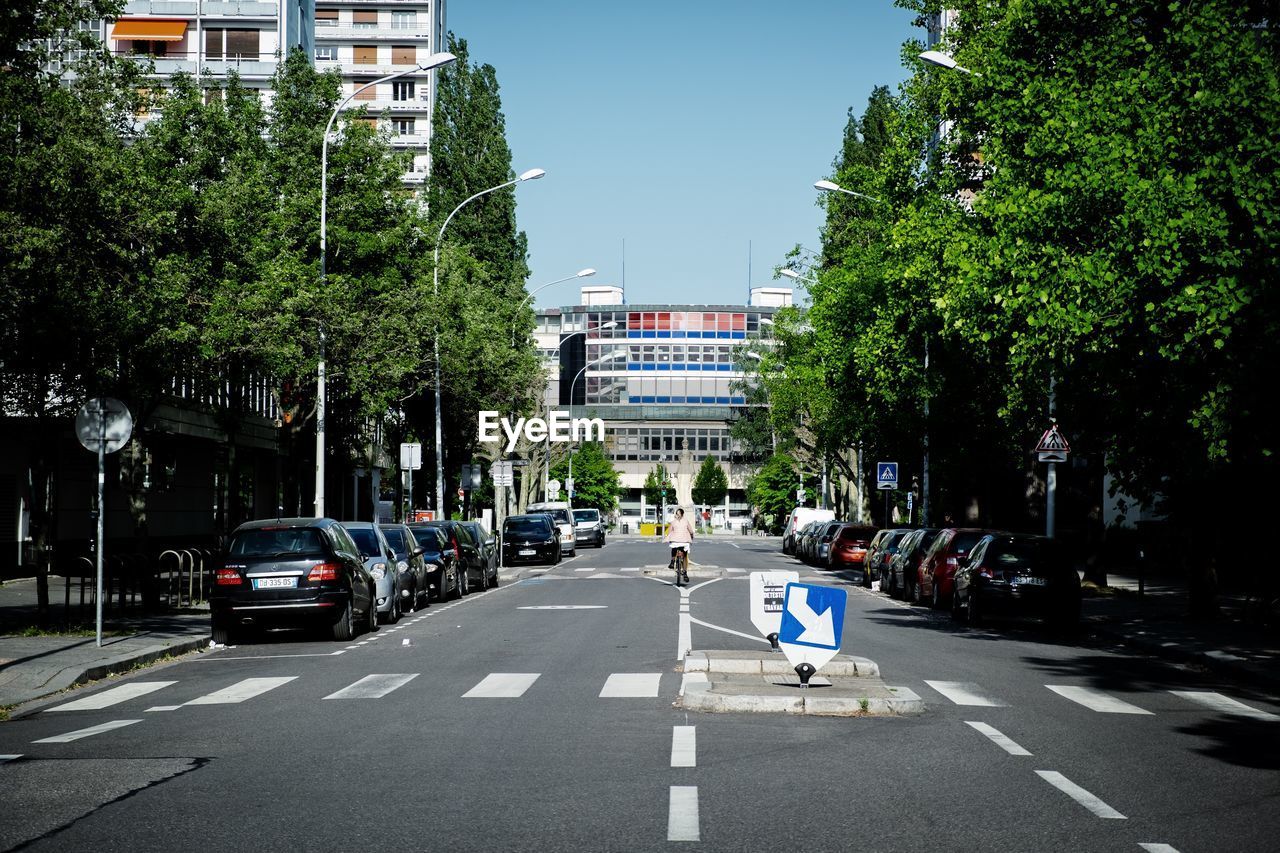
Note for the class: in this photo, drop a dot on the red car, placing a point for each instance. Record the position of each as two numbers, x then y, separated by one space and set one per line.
938 566
849 547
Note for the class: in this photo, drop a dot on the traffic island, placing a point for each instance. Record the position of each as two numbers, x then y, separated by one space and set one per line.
765 682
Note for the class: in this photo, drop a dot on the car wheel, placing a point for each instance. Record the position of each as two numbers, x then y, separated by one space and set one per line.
460 585
936 602
223 633
973 610
344 629
484 579
493 583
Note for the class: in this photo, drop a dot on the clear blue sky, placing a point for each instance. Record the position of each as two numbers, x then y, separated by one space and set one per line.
689 128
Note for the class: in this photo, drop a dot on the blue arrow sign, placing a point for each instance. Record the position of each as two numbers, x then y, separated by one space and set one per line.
812 616
887 475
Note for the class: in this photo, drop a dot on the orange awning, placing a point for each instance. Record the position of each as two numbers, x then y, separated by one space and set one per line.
133 29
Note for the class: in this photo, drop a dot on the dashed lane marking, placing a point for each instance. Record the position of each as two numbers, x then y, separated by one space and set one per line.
682 814
998 738
684 746
1080 795
89 732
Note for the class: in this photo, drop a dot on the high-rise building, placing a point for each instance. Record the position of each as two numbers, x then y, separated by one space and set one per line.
369 39
663 378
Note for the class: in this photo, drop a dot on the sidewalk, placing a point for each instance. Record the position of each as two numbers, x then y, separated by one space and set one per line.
35 667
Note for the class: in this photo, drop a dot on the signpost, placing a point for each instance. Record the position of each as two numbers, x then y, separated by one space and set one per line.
103 426
767 593
887 481
1051 448
410 461
812 626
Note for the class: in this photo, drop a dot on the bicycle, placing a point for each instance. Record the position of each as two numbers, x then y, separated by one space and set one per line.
680 559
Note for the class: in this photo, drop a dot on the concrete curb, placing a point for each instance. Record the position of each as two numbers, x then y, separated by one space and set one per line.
706 699
750 663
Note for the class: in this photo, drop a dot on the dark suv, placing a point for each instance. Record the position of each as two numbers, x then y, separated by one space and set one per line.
292 572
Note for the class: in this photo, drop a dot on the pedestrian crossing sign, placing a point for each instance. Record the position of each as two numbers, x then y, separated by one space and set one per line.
886 475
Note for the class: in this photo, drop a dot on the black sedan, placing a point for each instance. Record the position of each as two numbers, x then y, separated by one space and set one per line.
486 568
1017 573
530 539
444 578
292 572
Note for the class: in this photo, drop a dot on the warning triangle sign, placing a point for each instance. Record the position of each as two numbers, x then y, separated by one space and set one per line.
1053 442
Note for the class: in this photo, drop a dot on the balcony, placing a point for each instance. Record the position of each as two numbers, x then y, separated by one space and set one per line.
247 68
376 107
324 35
209 9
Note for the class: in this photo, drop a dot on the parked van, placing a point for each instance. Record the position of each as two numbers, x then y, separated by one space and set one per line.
800 516
563 516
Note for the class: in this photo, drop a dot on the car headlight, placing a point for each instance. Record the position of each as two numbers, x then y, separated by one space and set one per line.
379 571
402 566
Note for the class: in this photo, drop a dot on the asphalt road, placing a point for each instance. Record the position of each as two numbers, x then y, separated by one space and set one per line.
538 716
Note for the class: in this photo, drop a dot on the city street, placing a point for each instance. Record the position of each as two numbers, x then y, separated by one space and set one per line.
538 716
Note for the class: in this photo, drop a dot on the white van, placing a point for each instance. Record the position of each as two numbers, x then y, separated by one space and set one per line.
800 516
563 516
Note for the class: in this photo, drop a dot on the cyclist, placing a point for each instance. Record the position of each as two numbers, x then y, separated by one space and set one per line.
680 536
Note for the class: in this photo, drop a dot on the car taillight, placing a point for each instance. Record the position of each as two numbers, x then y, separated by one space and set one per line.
951 563
228 577
323 572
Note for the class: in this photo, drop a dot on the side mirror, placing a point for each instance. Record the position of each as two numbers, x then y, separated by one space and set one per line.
417 552
364 557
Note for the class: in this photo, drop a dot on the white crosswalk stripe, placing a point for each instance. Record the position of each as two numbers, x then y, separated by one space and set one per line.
1225 704
999 738
964 693
242 690
89 732
684 746
631 685
10 757
1096 700
373 687
502 685
114 696
1080 795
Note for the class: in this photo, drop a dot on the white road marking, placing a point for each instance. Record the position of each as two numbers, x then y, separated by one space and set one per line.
13 757
684 636
727 630
89 732
739 547
999 738
242 690
1158 848
1096 700
1224 704
589 569
737 571
218 658
684 746
373 686
964 693
538 571
502 685
630 569
564 607
162 708
682 814
1080 795
114 696
631 685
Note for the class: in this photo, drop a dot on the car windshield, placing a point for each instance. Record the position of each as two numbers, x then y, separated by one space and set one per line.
525 527
963 542
428 538
560 515
395 538
586 515
272 541
1022 555
364 539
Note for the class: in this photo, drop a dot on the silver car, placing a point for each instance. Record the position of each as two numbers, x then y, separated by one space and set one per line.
380 560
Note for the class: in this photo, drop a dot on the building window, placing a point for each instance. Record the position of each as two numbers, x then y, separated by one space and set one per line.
242 44
404 20
326 17
326 53
369 94
365 20
365 54
404 54
402 90
403 126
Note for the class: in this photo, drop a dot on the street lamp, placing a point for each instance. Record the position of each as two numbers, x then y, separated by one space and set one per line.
580 274
943 60
435 60
792 274
531 175
832 187
613 356
546 460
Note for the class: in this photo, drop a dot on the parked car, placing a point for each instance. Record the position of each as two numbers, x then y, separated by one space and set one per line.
820 550
559 512
486 553
410 565
532 538
443 576
381 563
466 553
938 568
799 517
588 526
881 549
804 541
904 565
849 549
292 572
1017 573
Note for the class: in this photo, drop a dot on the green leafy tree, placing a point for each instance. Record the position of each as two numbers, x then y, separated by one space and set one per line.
711 483
595 480
772 491
657 486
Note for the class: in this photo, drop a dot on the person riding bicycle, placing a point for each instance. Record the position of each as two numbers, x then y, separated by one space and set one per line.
680 536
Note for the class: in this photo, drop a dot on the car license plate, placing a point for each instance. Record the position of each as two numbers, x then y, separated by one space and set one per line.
527 552
274 583
1029 581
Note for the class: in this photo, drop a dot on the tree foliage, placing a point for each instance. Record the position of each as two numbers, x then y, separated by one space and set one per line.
711 483
595 480
658 487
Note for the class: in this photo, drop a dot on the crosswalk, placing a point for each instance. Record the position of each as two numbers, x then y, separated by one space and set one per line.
969 694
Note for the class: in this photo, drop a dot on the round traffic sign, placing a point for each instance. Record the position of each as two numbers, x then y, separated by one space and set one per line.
104 421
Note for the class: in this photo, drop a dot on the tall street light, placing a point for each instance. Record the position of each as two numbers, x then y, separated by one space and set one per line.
613 356
546 459
435 60
579 274
833 187
531 175
944 60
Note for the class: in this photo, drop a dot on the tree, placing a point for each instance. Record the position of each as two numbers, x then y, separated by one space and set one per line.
595 480
657 486
711 483
772 490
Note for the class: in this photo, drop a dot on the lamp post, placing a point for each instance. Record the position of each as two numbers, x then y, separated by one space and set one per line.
580 274
944 60
613 356
546 460
435 60
833 187
531 175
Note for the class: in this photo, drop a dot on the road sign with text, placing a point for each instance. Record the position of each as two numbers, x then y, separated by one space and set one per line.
767 592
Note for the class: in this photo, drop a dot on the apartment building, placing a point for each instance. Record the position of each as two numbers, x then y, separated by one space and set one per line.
369 39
